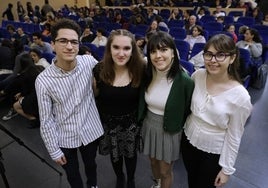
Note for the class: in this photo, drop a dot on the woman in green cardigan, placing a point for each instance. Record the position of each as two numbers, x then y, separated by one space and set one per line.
164 106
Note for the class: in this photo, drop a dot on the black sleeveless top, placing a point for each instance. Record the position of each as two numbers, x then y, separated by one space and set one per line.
117 101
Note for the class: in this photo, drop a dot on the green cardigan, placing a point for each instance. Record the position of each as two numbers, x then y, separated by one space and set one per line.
178 103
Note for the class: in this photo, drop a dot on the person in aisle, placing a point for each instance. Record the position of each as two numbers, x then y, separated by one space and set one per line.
69 119
164 106
220 107
8 13
118 78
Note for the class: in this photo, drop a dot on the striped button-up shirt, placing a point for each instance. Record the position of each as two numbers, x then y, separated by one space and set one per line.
68 113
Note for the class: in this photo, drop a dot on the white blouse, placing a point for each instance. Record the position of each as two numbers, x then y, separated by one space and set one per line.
216 124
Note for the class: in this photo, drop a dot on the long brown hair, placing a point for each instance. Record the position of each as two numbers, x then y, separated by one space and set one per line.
135 65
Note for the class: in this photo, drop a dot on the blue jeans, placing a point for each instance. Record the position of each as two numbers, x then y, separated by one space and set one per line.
71 168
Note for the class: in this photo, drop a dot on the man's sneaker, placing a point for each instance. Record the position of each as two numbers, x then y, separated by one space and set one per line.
11 113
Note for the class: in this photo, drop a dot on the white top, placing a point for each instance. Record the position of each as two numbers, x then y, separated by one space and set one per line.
68 114
192 40
100 42
43 62
157 94
216 124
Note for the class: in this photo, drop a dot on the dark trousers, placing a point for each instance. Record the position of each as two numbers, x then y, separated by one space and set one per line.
202 167
130 163
71 168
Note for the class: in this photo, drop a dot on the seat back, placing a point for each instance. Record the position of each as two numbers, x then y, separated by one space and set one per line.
207 18
198 47
183 48
48 56
187 66
176 23
177 33
247 20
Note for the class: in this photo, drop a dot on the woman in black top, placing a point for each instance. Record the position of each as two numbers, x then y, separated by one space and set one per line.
118 79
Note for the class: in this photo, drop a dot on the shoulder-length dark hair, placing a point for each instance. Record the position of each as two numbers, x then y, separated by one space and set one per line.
135 64
159 40
256 35
225 44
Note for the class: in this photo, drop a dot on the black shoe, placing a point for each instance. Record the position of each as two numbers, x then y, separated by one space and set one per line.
120 182
34 124
131 184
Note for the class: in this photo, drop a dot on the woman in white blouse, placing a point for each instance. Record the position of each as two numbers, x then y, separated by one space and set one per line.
220 107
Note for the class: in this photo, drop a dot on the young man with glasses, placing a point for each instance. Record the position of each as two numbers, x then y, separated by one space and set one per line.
68 114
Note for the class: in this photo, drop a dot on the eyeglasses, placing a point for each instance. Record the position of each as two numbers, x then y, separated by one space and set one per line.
64 42
219 56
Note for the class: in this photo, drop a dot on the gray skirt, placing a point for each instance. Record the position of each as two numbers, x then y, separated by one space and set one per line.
159 144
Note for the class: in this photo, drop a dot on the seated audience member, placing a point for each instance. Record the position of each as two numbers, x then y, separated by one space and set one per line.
140 41
150 15
153 27
196 36
118 18
230 4
242 4
12 32
201 13
265 19
50 19
24 85
252 42
218 12
38 43
137 20
37 58
47 29
24 38
87 35
85 50
18 52
220 19
27 19
186 16
36 20
7 58
100 39
161 22
257 15
231 29
190 24
242 29
175 14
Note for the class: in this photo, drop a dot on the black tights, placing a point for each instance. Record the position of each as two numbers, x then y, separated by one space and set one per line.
130 167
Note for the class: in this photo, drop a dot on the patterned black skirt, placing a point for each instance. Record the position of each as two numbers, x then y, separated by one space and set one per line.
121 136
